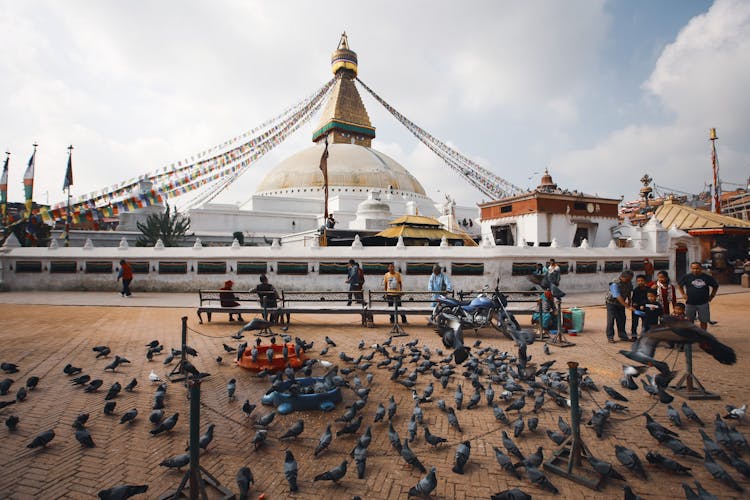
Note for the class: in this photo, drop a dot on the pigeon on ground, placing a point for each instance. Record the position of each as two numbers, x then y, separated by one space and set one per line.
244 479
206 438
109 407
156 416
295 430
379 413
511 494
334 474
630 459
12 422
248 408
410 457
176 462
82 380
131 385
290 471
351 428
614 394
674 416
432 438
231 389
42 439
425 486
324 441
680 448
129 416
123 491
667 463
265 420
9 367
113 391
32 382
538 477
259 439
718 472
71 370
84 437
505 462
691 415
94 385
360 459
736 413
462 456
511 446
453 419
605 468
166 425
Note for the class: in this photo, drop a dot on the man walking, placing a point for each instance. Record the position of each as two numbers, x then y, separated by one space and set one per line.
694 288
126 275
617 300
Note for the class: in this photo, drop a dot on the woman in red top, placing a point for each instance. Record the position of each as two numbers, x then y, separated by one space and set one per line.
665 293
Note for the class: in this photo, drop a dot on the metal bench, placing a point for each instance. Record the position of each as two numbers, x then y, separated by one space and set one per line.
322 302
210 303
519 301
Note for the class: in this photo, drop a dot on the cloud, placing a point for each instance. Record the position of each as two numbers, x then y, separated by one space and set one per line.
701 81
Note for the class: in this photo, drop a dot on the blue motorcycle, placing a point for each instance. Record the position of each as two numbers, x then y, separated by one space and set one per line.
486 309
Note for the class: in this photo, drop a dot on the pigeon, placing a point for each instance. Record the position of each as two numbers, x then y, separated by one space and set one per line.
433 439
453 419
11 422
556 437
394 438
113 391
629 494
21 394
176 462
102 351
658 431
360 458
330 342
265 420
511 494
474 401
736 413
166 425
392 407
123 491
680 448
82 380
718 472
334 474
629 459
248 408
379 413
511 446
131 385
605 468
667 463
295 430
518 404
5 386
228 348
408 455
683 331
710 446
505 462
459 396
4 404
351 428
231 389
42 440
674 416
9 367
84 437
425 486
206 438
94 385
32 382
691 415
462 456
259 439
614 394
156 416
129 416
290 471
518 426
109 407
704 495
538 477
412 429
324 441
71 370
244 479
500 415
153 377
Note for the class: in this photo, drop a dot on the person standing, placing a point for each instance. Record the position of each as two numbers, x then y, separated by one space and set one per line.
393 285
617 301
694 289
665 292
126 275
553 273
438 283
648 270
637 300
355 277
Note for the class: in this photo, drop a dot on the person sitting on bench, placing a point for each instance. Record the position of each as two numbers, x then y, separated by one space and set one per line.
229 300
268 299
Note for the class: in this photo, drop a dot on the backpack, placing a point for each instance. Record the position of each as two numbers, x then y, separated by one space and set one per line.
361 275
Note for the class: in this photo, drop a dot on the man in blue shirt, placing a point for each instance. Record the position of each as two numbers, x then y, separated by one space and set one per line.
617 301
438 283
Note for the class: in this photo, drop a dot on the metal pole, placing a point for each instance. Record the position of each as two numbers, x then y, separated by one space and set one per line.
195 412
575 415
183 355
689 367
67 210
717 181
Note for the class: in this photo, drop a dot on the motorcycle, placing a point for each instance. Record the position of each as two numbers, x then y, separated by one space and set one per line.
483 310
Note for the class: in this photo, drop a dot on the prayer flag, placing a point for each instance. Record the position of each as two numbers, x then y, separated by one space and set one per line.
69 173
28 182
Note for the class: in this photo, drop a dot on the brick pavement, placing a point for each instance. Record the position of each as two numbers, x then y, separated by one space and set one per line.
42 339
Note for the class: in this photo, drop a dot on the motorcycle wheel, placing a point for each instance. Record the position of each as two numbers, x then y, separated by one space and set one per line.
500 325
437 315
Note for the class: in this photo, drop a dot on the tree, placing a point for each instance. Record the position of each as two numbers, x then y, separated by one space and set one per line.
239 236
169 226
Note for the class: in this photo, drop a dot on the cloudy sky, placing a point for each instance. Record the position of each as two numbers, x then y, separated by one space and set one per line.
600 92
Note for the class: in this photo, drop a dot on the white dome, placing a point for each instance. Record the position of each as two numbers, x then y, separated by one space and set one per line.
349 166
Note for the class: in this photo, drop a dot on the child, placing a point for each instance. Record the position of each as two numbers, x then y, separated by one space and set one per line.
637 300
653 310
679 311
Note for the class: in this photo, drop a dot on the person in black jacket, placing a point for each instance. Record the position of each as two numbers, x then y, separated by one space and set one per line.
637 300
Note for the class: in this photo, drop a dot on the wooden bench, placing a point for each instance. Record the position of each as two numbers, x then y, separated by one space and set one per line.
210 303
412 302
321 302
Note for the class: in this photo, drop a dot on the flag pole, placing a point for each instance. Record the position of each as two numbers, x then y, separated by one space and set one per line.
324 169
68 182
4 191
717 181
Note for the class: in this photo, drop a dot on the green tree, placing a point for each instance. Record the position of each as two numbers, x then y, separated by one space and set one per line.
169 226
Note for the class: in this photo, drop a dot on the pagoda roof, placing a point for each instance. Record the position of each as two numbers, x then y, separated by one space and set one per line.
697 221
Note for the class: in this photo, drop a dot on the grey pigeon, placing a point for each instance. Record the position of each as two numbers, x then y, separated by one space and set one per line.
265 420
42 439
84 437
351 428
12 422
247 408
244 479
334 474
537 477
411 458
462 456
425 486
324 441
459 396
231 389
129 416
360 458
123 491
295 430
156 416
630 459
505 462
94 385
605 468
131 385
614 394
394 438
535 459
680 448
379 412
453 419
518 426
206 438
109 407
290 471
674 416
176 462
392 407
667 463
80 421
691 415
718 472
259 439
432 438
113 391
511 446
166 425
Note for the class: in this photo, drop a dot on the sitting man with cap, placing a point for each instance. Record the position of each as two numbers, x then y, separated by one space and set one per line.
228 300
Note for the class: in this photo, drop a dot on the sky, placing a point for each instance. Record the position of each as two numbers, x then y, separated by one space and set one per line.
599 92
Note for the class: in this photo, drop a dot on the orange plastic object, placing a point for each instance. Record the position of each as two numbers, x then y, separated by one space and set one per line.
278 362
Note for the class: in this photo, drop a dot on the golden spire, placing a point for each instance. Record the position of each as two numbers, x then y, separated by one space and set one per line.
343 59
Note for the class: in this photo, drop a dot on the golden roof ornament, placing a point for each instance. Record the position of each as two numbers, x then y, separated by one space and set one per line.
343 59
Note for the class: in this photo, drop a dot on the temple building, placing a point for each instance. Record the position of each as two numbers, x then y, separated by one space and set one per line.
550 216
367 188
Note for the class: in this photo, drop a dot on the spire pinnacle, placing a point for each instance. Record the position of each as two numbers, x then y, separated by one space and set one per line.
343 59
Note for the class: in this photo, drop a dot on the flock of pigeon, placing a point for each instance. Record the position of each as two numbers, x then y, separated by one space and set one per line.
509 385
